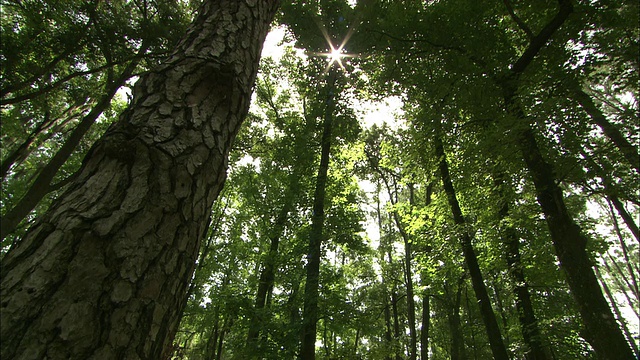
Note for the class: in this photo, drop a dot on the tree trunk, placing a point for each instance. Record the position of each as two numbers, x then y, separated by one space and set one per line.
628 219
526 315
267 277
619 278
457 338
310 311
396 315
618 313
411 306
104 272
601 330
488 316
48 127
426 323
629 152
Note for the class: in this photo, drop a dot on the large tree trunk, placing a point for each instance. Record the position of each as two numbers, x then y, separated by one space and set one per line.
488 316
103 274
311 289
601 330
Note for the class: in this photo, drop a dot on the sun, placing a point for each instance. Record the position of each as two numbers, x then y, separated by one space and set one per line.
336 55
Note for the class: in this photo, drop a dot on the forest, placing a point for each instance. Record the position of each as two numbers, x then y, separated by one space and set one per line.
320 179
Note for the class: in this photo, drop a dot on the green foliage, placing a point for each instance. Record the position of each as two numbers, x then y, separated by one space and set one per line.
448 61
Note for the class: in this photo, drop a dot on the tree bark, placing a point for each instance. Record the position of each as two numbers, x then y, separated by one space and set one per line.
104 272
488 316
310 311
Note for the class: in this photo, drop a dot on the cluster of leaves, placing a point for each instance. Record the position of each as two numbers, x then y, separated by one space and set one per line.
447 60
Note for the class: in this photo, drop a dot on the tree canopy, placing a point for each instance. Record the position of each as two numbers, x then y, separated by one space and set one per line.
494 215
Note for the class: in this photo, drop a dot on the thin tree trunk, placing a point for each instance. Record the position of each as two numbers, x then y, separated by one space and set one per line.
629 151
426 323
387 321
616 309
387 311
621 283
411 307
526 315
624 214
471 322
396 314
22 151
267 277
105 271
625 252
457 338
488 316
426 311
310 312
625 278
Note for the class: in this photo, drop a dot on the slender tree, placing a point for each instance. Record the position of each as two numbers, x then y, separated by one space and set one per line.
488 316
105 271
310 312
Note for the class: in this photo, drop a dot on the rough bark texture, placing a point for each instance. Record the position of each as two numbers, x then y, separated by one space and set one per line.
498 348
310 312
103 274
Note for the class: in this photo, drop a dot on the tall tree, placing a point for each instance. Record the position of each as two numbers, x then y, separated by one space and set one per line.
488 316
311 289
105 271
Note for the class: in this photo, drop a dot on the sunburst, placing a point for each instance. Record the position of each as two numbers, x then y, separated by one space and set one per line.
335 55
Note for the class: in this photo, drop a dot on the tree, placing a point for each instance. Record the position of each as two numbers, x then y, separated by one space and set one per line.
105 271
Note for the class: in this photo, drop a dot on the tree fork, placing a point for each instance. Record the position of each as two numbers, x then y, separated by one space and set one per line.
104 272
